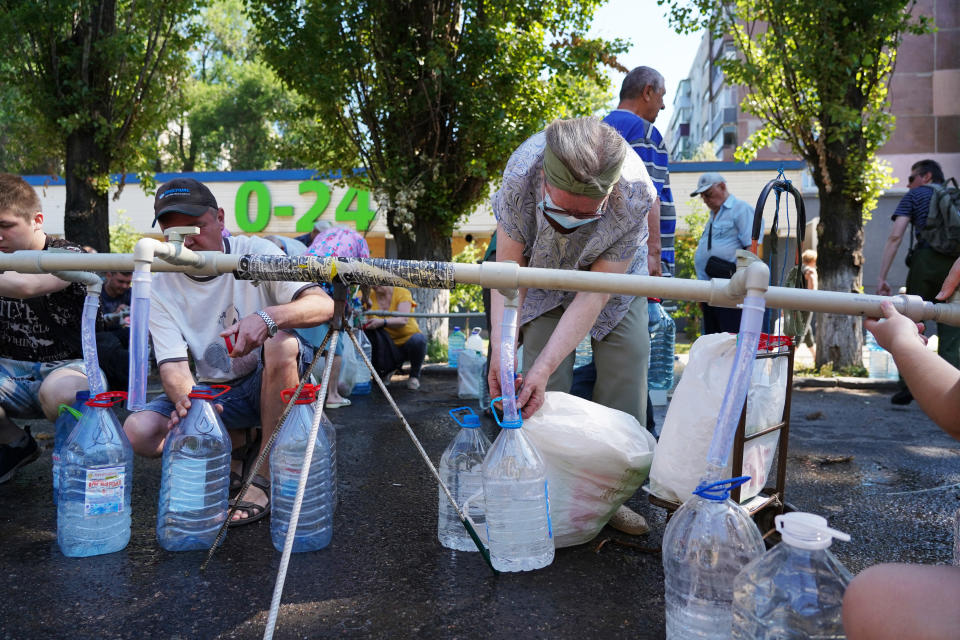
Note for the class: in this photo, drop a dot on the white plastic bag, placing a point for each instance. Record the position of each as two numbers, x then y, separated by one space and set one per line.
688 428
469 373
596 458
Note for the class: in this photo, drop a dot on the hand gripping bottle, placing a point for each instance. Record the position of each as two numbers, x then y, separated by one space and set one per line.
461 469
795 590
706 544
66 421
195 481
315 524
516 502
96 471
454 346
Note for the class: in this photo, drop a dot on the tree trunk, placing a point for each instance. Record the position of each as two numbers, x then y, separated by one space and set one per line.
428 242
86 214
839 264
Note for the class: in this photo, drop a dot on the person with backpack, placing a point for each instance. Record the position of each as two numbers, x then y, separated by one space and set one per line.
931 208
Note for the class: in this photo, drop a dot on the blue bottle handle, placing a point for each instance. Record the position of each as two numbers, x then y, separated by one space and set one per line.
510 425
453 414
720 490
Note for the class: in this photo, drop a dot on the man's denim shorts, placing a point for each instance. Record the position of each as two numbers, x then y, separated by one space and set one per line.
241 404
20 384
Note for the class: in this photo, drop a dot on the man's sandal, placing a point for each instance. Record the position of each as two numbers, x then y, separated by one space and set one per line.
247 454
256 511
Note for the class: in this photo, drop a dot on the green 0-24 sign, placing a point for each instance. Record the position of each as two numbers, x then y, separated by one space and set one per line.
254 197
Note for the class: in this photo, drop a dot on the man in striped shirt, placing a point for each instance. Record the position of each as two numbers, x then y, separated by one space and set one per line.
928 268
641 100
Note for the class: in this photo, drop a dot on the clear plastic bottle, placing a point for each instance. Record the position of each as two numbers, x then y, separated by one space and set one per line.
663 333
315 523
706 543
474 342
195 479
461 469
66 422
516 502
362 388
583 353
96 473
455 346
879 362
795 590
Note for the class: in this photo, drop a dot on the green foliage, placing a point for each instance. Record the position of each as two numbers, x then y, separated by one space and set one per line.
123 236
827 371
817 75
685 246
432 98
467 297
436 351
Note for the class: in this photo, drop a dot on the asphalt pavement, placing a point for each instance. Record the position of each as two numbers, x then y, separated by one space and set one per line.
886 475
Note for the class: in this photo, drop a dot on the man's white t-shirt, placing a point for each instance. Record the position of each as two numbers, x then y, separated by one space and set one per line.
189 312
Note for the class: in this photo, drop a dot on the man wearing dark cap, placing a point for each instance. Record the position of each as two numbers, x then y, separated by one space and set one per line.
200 315
729 229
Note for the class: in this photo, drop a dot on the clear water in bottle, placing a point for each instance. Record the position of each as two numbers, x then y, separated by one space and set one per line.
195 477
878 361
705 545
583 353
363 387
315 523
461 469
795 590
62 428
663 333
454 346
516 503
96 473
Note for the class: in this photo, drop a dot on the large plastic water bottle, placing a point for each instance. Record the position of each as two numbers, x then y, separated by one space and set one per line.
795 590
62 428
663 333
583 354
455 346
706 544
315 524
474 342
362 388
96 474
461 469
516 502
195 479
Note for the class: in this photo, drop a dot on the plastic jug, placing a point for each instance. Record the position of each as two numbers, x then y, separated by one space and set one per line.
66 421
315 524
795 590
96 474
474 342
362 386
461 469
195 479
454 346
706 544
516 502
663 333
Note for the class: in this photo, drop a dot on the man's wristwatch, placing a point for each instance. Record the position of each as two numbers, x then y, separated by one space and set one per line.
272 327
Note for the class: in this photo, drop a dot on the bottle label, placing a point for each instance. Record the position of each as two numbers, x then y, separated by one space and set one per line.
188 478
103 493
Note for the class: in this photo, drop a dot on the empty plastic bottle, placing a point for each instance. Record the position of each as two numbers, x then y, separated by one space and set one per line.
474 342
516 502
66 421
315 523
362 388
795 590
96 473
461 469
455 346
706 544
195 480
663 333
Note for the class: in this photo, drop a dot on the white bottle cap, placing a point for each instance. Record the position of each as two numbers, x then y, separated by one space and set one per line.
807 530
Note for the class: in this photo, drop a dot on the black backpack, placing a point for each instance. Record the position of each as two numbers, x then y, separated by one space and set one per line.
942 231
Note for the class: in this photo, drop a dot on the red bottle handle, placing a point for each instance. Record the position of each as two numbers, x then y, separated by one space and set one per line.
307 395
106 399
208 396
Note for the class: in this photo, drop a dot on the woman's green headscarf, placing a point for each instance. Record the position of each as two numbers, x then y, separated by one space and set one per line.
560 177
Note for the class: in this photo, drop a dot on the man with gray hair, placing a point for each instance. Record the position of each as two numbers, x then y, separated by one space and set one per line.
574 197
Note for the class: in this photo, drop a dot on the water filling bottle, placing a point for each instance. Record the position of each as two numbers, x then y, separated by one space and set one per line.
795 590
663 333
454 346
362 388
66 421
706 543
96 473
516 502
315 524
195 480
461 469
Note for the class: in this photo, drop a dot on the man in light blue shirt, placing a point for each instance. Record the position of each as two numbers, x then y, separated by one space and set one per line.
729 228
